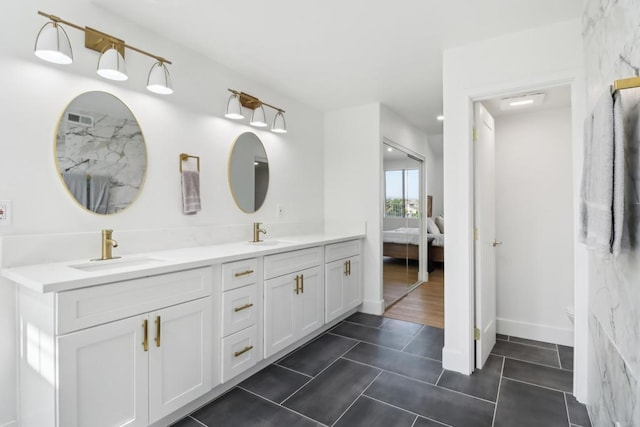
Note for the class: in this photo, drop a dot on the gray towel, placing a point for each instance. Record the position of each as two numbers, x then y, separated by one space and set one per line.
78 187
190 192
596 194
99 194
627 129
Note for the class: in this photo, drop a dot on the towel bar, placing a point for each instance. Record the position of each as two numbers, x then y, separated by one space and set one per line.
184 157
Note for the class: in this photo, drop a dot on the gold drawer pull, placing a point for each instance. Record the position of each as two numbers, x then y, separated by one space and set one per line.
346 268
244 273
145 335
242 307
158 331
349 267
297 285
302 283
243 351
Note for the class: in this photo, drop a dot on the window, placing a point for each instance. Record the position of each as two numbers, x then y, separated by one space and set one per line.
401 193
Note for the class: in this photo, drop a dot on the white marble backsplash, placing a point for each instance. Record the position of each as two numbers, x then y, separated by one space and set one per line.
611 31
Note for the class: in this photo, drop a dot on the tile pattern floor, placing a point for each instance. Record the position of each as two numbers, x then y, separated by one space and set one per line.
375 371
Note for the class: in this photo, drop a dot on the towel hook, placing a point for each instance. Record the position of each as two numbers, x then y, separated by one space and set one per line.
184 157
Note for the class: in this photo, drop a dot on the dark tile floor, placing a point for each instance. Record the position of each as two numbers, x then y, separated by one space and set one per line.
374 371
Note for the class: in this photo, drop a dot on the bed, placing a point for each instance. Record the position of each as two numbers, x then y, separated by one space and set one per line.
404 242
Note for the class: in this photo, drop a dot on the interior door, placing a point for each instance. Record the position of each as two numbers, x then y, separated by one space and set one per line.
484 234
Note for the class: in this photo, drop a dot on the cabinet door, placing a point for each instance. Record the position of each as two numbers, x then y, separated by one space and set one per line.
104 373
334 304
280 323
352 287
310 302
179 356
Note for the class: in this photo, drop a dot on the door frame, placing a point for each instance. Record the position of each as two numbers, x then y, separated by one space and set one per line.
458 352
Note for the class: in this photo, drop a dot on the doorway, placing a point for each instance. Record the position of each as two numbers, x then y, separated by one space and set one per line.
523 287
402 222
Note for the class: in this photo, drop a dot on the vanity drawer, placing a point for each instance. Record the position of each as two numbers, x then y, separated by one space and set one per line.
82 308
239 352
342 250
239 273
288 262
239 309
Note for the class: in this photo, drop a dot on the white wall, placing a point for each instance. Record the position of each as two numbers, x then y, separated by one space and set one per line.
34 94
525 60
353 165
534 220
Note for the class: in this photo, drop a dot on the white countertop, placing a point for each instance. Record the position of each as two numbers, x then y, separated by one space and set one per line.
61 276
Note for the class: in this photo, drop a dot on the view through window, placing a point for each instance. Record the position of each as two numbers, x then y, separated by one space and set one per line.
401 193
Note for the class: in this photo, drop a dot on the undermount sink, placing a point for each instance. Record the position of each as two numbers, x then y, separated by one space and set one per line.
112 264
270 243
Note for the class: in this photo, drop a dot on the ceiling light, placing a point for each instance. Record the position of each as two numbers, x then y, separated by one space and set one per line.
258 117
237 100
52 44
159 80
521 101
440 118
234 109
112 66
389 149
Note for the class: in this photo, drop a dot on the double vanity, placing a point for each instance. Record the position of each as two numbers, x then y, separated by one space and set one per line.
145 339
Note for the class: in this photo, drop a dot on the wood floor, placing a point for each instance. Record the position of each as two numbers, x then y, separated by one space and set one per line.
398 276
425 304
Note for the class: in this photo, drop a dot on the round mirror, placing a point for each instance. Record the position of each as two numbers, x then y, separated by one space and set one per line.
248 172
100 153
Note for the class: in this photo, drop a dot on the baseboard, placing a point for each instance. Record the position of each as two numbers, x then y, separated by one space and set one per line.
453 360
535 331
372 307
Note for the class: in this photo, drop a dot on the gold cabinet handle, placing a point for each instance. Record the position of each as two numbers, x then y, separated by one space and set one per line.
302 283
349 264
243 351
158 331
242 307
346 270
244 273
297 285
145 335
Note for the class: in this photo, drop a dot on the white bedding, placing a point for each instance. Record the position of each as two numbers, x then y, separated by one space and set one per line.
411 236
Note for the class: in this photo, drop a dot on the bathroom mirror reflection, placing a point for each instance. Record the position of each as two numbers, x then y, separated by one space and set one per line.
100 153
248 172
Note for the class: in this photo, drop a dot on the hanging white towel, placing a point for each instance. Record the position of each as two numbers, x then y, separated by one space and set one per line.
78 187
190 192
596 195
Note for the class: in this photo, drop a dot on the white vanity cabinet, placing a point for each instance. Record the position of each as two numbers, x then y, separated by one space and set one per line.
240 347
343 278
294 297
126 353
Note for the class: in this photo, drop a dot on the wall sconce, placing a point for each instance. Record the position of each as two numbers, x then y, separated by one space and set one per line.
237 100
52 45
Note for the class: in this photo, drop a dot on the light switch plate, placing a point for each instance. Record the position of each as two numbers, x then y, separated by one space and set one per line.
5 212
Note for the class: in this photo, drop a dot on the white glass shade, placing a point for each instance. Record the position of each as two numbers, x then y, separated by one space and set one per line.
112 66
159 80
52 44
258 117
234 109
279 125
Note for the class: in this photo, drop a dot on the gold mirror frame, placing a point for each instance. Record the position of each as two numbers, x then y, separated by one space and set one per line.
99 138
248 168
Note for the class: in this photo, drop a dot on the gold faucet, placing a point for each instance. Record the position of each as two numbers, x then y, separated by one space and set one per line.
256 232
107 244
